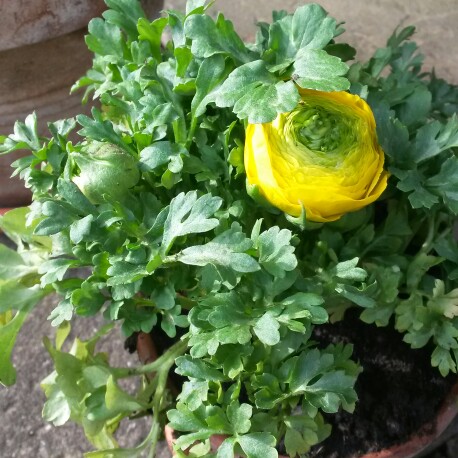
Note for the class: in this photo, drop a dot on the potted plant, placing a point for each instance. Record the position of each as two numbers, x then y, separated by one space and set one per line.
257 209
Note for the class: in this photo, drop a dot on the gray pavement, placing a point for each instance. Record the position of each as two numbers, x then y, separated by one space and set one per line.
369 23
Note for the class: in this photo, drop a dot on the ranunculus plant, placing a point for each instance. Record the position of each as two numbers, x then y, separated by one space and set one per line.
234 197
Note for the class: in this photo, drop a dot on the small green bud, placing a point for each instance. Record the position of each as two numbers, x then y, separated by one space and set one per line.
105 169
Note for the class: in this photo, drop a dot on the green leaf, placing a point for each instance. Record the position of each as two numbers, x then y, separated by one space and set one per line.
310 27
412 180
194 393
196 6
63 312
211 73
392 134
347 270
343 51
58 219
226 250
433 138
80 229
443 360
276 254
233 363
226 309
258 445
16 296
182 419
444 303
406 312
56 408
416 108
108 448
447 248
125 14
266 328
54 270
99 129
164 297
157 114
356 295
194 442
161 153
256 94
210 38
8 335
14 225
325 387
239 416
189 215
295 443
316 69
62 332
122 272
12 265
305 305
118 401
418 267
88 299
184 57
25 136
196 368
71 193
152 32
105 39
445 183
226 449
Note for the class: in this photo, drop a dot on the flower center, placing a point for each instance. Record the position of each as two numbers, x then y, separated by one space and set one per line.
320 130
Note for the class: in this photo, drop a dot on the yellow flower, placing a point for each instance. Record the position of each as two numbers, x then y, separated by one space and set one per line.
323 156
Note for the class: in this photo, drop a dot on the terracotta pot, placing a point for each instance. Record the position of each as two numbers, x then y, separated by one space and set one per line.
38 78
430 436
25 22
146 349
42 53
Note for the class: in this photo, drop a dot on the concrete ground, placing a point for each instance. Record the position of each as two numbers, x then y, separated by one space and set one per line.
369 23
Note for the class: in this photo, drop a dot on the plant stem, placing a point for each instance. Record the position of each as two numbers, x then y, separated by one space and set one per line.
185 302
162 368
154 436
192 129
163 363
427 244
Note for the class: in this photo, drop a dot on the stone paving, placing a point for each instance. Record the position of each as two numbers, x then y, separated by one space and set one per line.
369 23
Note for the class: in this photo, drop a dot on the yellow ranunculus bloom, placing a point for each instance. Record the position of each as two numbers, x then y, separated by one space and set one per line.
323 155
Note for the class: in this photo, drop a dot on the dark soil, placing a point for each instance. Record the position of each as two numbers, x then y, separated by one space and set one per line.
399 392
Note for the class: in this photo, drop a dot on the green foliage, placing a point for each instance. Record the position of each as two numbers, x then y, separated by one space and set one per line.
19 288
256 94
147 221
